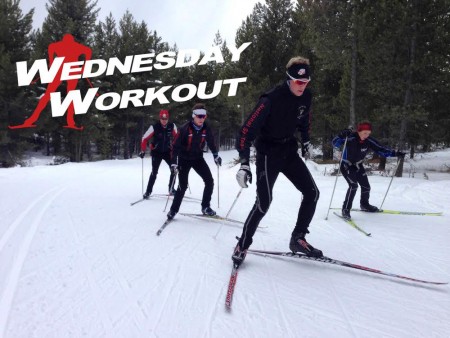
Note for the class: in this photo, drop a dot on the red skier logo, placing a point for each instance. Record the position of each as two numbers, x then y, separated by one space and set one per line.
71 51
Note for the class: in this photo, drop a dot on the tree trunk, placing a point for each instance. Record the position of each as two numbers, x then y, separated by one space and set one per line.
408 95
126 147
382 164
47 143
353 80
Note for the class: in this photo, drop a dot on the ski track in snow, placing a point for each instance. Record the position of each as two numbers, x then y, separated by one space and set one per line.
341 306
277 300
92 282
12 228
14 274
170 287
131 301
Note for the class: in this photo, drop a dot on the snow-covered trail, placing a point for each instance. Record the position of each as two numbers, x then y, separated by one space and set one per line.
77 260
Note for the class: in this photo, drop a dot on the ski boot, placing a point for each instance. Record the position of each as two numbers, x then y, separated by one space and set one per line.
346 214
369 208
299 244
238 256
208 211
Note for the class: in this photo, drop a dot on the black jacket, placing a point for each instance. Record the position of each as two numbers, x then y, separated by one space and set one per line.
162 137
189 142
275 119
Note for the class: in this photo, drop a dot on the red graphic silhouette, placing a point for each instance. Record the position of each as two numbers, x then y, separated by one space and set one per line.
71 51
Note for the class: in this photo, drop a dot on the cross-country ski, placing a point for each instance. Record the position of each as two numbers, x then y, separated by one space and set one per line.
353 224
401 212
341 263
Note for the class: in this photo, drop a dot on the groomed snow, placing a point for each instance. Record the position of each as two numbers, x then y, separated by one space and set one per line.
77 260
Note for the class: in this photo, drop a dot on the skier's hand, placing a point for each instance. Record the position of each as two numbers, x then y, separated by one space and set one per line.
142 154
174 168
217 159
400 154
305 150
243 175
345 133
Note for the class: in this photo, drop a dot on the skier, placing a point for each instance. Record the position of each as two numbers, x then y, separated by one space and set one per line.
358 144
163 133
188 153
272 124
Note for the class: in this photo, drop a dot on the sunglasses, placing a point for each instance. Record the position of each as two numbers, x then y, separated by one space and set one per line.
201 116
298 81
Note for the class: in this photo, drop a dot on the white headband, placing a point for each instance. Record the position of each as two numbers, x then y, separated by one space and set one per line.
199 111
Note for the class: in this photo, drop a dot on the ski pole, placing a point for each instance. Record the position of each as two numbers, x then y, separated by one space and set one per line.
228 213
389 186
171 188
142 176
234 202
337 175
218 188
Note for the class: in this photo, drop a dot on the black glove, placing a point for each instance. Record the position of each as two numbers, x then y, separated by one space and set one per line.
305 150
217 159
400 154
243 175
142 154
174 168
345 133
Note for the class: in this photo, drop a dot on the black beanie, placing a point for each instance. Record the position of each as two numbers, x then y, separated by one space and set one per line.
299 71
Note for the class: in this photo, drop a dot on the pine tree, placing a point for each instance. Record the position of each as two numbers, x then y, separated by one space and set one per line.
77 18
14 46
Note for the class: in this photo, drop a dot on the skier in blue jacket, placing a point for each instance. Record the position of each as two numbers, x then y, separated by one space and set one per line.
358 144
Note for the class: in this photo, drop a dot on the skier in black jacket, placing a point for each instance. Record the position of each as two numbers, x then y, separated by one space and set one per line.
358 144
188 153
273 122
163 133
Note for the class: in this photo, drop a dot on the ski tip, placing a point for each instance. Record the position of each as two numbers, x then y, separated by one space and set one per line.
369 235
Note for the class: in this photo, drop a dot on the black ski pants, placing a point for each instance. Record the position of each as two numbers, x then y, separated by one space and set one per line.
355 175
157 158
200 167
268 166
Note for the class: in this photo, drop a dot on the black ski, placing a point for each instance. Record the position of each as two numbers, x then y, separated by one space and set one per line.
341 263
166 223
231 285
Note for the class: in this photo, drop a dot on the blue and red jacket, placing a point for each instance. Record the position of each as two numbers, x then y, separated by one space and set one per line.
356 149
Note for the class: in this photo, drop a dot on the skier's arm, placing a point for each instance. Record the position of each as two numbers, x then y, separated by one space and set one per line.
379 149
176 146
251 127
147 136
304 125
337 142
210 141
174 130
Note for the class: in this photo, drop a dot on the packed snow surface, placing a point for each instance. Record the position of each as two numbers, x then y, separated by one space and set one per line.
76 260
